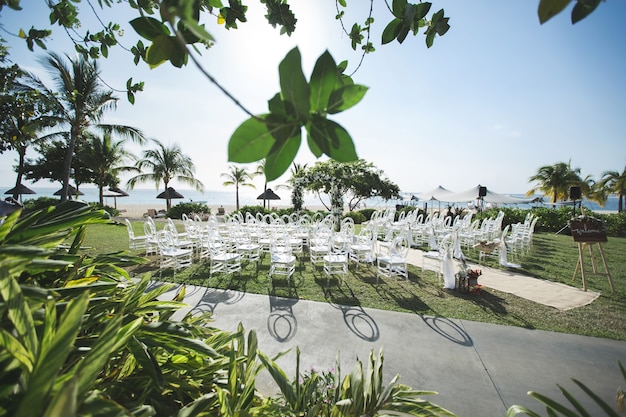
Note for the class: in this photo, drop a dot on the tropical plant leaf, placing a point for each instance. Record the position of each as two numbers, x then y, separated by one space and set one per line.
550 8
250 142
293 85
391 31
332 139
346 97
280 157
162 49
582 9
49 362
149 27
323 81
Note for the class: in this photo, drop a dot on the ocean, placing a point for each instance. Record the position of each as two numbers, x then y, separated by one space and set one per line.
247 197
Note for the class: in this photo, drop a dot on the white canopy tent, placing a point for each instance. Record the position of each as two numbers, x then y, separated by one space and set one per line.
437 194
490 197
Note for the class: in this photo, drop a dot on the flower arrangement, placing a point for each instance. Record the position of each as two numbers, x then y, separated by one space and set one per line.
470 277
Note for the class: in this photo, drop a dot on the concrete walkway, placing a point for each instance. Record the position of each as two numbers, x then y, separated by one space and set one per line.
478 369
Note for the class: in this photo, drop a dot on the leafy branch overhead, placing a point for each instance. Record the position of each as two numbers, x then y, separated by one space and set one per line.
276 135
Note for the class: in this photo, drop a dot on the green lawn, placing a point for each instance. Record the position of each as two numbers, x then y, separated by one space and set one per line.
552 257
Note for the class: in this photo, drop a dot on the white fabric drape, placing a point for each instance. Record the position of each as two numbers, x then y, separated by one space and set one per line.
449 281
503 260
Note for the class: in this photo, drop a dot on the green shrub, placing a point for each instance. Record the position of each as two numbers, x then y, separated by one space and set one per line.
113 212
367 213
554 219
252 210
40 203
357 216
188 209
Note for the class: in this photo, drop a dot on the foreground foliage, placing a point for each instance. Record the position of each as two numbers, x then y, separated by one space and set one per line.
79 337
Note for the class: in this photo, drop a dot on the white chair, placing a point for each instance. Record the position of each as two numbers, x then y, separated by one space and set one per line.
336 260
394 264
282 261
134 241
319 244
362 250
171 255
250 251
222 260
152 239
497 246
433 260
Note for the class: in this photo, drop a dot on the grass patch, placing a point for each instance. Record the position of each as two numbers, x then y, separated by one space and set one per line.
552 257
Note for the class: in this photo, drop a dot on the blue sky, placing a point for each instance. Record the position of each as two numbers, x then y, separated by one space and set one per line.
493 100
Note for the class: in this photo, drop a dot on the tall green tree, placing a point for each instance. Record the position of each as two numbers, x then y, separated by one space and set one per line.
615 182
105 159
24 113
80 103
351 181
49 165
238 177
164 165
555 180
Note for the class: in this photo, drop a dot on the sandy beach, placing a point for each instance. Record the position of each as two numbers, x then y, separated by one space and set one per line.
136 211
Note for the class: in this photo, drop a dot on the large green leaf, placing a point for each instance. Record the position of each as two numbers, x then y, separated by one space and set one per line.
332 139
323 81
550 8
346 97
281 156
582 9
250 142
17 350
293 85
162 49
391 30
398 7
19 312
149 27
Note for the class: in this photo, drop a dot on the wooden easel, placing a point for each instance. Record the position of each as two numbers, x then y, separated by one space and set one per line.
580 264
589 232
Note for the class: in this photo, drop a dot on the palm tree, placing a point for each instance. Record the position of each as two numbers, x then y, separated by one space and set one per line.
238 177
260 170
615 182
105 159
80 103
556 180
165 164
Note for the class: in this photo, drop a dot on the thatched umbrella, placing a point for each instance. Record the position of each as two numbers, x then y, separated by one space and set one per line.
168 195
115 192
268 195
20 189
71 191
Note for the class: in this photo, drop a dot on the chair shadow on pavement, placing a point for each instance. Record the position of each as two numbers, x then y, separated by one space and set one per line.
212 297
354 316
281 322
449 329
